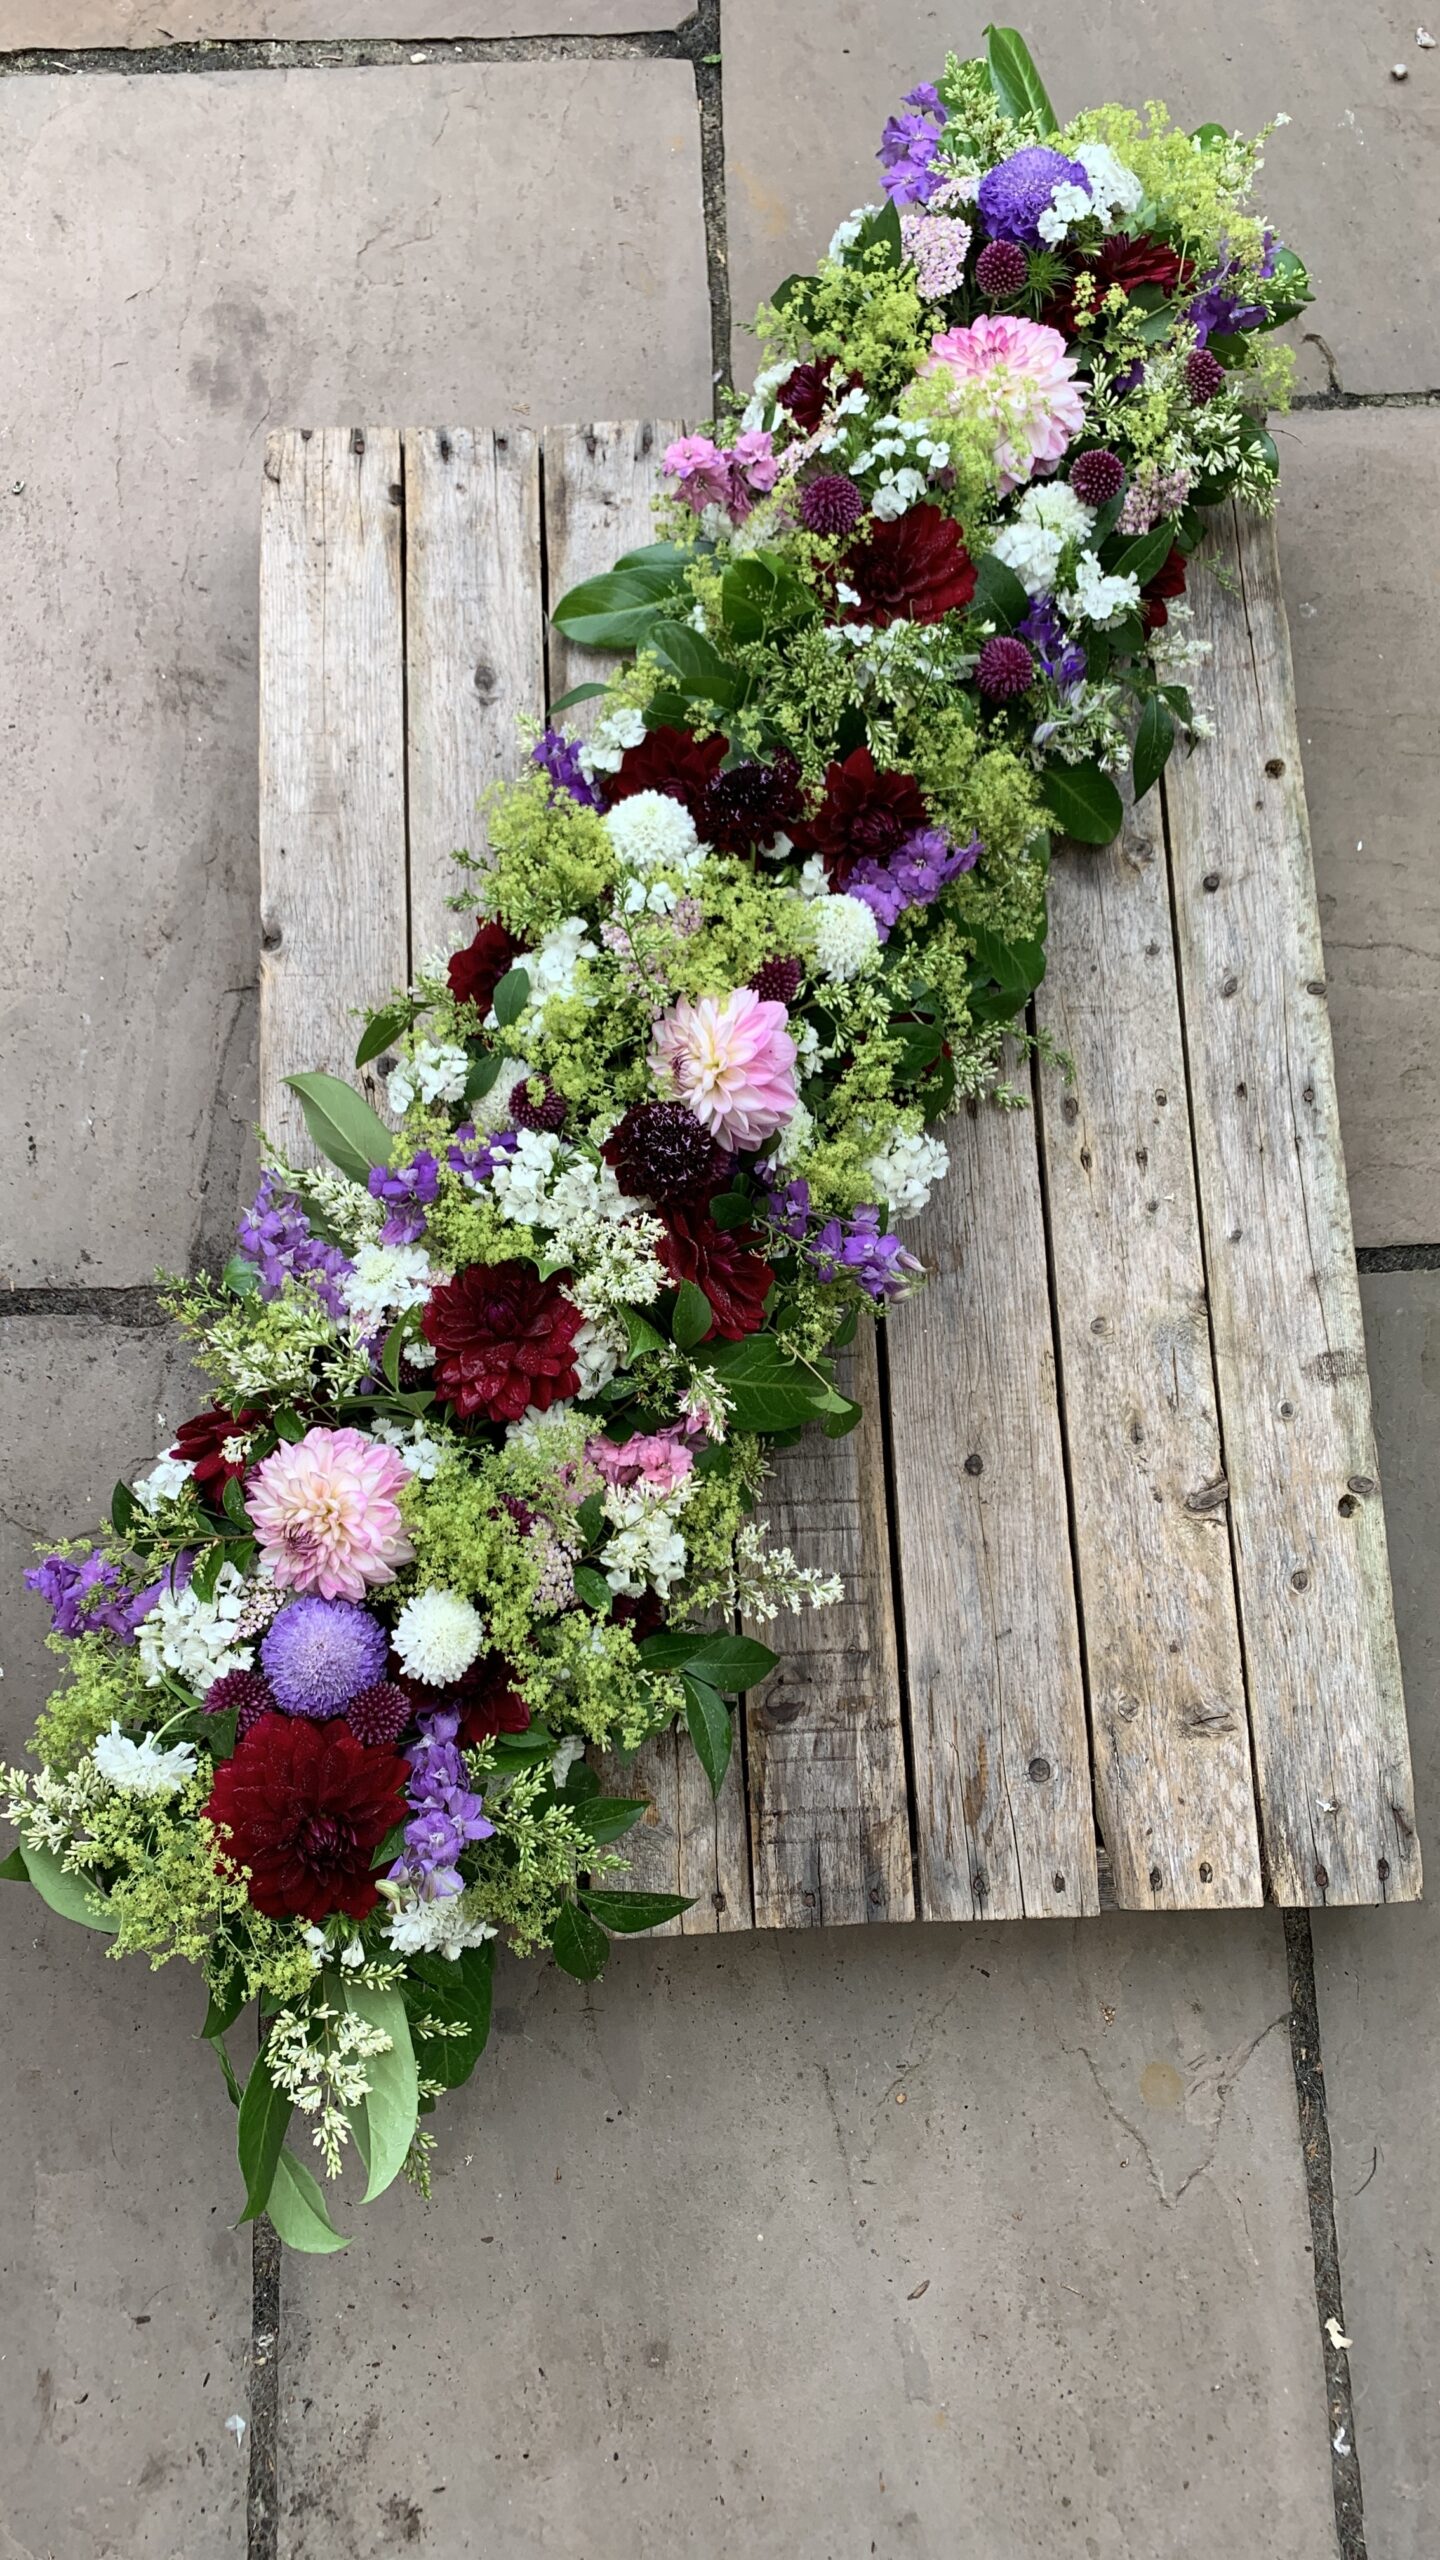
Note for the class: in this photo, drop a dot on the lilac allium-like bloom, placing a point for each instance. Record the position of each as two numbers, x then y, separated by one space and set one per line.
912 876
1013 196
856 1249
446 1813
408 1191
319 1654
1059 657
559 756
274 1233
911 170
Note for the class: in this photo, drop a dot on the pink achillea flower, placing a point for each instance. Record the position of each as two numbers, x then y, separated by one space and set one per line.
1028 372
325 1514
731 1061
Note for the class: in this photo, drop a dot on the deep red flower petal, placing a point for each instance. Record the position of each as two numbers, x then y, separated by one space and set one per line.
504 1340
669 760
722 1261
914 569
864 812
304 1806
476 972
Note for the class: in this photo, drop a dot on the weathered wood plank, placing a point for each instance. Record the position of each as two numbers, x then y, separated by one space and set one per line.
1004 1820
474 645
599 481
1169 1729
1336 1807
829 1807
332 756
689 1841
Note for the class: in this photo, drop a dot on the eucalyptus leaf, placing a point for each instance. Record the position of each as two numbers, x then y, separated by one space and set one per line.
342 1124
385 2119
577 693
73 1897
1013 77
382 1031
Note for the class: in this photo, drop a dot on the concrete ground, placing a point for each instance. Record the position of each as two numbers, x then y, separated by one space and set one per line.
995 2244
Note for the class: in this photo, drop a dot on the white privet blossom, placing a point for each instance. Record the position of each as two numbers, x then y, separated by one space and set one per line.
766 1580
316 2058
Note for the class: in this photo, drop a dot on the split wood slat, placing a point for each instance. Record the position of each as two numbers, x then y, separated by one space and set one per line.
1327 1711
1111 1528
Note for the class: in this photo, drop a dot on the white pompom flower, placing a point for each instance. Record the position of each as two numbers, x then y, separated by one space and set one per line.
847 938
652 832
437 1636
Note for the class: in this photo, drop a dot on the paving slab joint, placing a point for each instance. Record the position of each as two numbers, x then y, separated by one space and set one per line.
262 2503
139 1308
1309 2068
682 43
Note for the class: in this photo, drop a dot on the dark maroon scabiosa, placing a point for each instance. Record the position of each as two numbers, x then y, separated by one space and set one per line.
1002 270
865 813
537 1106
667 760
204 1439
1168 582
476 972
722 1262
659 1151
778 981
1204 376
831 504
504 1340
304 1807
248 1692
1097 477
807 392
744 809
1005 669
379 1715
914 569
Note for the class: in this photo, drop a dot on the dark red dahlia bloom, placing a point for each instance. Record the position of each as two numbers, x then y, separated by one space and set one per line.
660 1151
202 1440
504 1340
305 1806
1121 261
667 760
913 570
489 1701
476 972
864 812
744 810
722 1262
1167 583
806 392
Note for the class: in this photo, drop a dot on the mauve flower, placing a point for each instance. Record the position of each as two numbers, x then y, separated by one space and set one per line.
1037 408
659 1459
304 1807
701 470
325 1513
731 1060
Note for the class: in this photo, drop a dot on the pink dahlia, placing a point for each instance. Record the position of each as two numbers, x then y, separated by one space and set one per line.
1027 372
325 1514
731 1060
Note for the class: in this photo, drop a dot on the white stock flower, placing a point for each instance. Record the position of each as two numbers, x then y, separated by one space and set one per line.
167 1478
596 1352
906 1170
569 1749
553 967
418 1453
847 938
387 1280
1113 188
142 1768
436 1072
437 1636
612 735
1068 205
1097 599
197 1639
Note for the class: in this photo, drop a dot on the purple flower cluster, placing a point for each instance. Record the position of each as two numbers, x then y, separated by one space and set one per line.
911 170
445 1811
1045 633
475 1156
559 756
319 1654
275 1234
1012 197
845 1247
85 1596
912 876
1216 312
408 1191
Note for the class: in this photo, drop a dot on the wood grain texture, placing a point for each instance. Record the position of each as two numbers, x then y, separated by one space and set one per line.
689 1841
1170 1733
829 1808
474 645
1332 1757
599 482
1004 1819
332 757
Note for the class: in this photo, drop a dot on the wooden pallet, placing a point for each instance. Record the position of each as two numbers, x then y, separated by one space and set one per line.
1118 1623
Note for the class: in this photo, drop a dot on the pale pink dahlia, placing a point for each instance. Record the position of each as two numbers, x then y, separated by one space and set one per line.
730 1060
325 1514
1028 373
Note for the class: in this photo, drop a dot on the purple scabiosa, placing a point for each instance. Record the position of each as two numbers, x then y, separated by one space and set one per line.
559 756
1012 197
408 1191
831 504
318 1654
660 1151
1005 669
275 1234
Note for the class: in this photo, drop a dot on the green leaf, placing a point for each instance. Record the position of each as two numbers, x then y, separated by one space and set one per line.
696 663
838 1424
298 2209
13 1869
260 2134
1153 741
579 1947
1013 77
630 1912
240 1276
382 1030
232 1502
693 1317
459 1994
770 1391
288 1425
482 1075
122 1509
1083 802
592 1587
727 1662
224 2006
385 2120
512 996
342 1125
577 693
711 1728
590 1517
999 596
605 1818
73 1897
639 1334
1146 556
731 1209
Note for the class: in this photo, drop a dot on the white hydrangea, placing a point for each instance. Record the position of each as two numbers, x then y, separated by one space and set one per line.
1068 205
847 938
492 1113
142 1768
612 735
438 1635
1048 516
1096 598
596 1352
906 1171
419 1453
652 832
387 1280
444 1926
436 1072
197 1639
1113 188
647 1549
167 1478
553 967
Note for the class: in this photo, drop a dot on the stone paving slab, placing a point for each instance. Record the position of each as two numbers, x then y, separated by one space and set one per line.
32 23
201 259
964 2242
807 89
1359 526
1376 1974
127 2295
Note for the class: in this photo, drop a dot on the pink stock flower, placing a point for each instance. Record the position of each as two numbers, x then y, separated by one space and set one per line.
1027 371
702 470
657 1459
325 1514
753 455
731 1061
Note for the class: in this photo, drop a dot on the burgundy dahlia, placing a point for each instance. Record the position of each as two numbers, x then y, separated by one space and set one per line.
248 1692
668 760
1001 270
489 1701
203 1441
831 504
1204 376
743 810
1005 668
380 1714
778 981
1097 477
1123 261
807 392
304 1807
735 1279
915 569
660 1151
504 1340
537 1106
476 972
865 813
1167 583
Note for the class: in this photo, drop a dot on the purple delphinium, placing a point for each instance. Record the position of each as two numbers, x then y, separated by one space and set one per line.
856 1248
408 1190
1045 633
1012 196
445 1811
477 1157
911 173
85 1596
1216 311
912 876
559 756
319 1654
275 1234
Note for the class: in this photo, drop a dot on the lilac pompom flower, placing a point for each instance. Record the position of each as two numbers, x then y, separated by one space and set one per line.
319 1654
1012 197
